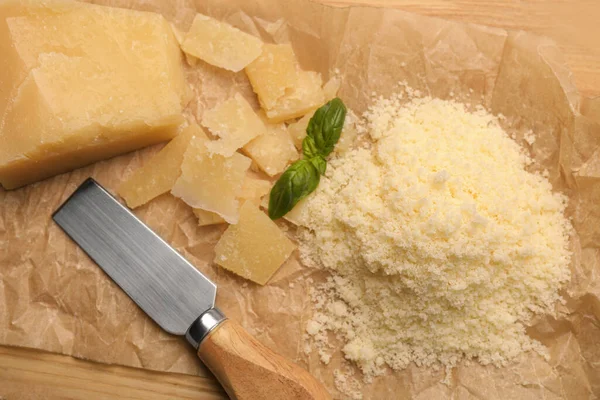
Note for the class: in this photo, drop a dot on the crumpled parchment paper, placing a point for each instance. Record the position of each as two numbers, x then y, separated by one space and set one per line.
52 297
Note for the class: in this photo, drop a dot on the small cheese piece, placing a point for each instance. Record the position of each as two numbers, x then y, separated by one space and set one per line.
210 181
221 44
273 73
255 189
207 217
255 247
297 129
306 95
80 83
284 90
272 151
235 123
179 35
158 175
331 88
296 215
347 138
252 190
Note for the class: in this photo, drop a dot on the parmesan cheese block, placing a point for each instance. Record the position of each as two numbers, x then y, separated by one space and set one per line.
221 44
80 83
254 248
159 173
252 190
211 182
272 151
235 123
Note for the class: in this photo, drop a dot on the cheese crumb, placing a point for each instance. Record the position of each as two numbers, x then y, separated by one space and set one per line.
441 246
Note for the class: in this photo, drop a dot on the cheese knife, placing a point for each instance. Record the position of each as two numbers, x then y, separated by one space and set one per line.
178 297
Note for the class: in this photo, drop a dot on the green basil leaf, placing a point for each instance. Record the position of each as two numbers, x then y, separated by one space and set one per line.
309 147
319 163
325 127
297 182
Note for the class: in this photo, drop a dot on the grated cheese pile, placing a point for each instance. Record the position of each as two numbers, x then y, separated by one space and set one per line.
441 246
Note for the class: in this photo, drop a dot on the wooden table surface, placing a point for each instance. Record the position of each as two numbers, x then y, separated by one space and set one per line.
30 374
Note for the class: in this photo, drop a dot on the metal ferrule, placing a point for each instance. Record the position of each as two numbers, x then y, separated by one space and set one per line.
203 325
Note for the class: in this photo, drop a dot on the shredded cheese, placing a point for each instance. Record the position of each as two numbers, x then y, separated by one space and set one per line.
440 244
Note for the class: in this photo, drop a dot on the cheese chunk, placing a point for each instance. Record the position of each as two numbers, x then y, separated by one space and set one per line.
235 123
254 248
306 95
272 151
80 83
158 175
284 90
255 189
221 44
331 88
207 217
297 129
211 182
296 215
252 190
273 73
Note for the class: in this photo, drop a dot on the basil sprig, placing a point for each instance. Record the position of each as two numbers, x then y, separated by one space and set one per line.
302 177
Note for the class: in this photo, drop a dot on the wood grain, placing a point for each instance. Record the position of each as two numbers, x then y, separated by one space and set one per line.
249 370
29 374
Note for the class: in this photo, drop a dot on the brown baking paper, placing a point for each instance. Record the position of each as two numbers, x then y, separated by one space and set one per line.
52 297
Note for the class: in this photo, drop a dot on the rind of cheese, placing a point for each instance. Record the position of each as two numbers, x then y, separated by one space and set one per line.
158 174
221 44
273 73
235 123
272 151
255 247
211 182
74 89
252 190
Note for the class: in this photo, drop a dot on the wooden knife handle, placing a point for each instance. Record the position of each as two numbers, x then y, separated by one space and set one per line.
249 370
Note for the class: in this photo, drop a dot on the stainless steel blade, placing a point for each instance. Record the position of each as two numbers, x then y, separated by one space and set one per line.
163 283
